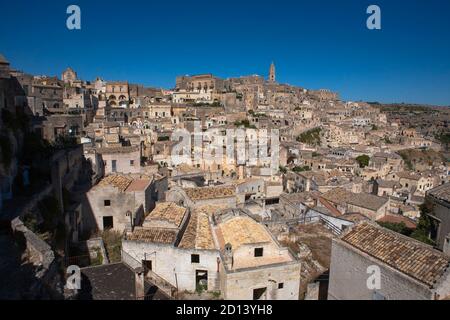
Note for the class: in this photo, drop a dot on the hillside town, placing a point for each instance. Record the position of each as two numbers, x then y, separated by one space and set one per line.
240 188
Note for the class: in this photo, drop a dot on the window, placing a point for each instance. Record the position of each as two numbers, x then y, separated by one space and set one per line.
259 294
259 252
108 223
132 163
195 258
147 265
114 165
281 285
107 203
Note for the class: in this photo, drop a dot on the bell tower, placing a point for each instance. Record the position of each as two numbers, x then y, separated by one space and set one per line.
272 76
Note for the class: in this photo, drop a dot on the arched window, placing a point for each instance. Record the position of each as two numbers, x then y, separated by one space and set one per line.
112 97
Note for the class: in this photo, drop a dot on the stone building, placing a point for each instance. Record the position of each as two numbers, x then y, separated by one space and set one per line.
157 110
439 198
224 196
57 125
408 269
4 68
121 159
6 84
40 94
272 74
416 182
323 94
118 94
69 76
225 252
254 265
370 205
117 202
200 83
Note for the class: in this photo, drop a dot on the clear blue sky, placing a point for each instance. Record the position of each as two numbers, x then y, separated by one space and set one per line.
315 44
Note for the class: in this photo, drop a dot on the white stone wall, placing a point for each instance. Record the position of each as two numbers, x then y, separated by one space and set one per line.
229 202
122 162
374 215
240 285
442 212
174 264
348 278
120 204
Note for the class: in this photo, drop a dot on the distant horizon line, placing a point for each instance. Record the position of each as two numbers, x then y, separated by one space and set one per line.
240 76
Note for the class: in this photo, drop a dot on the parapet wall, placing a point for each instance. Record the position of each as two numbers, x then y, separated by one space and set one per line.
49 283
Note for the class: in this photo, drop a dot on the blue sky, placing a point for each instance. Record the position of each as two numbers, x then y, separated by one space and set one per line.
315 44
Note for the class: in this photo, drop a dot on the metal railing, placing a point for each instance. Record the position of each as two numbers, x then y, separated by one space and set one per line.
81 261
162 284
330 226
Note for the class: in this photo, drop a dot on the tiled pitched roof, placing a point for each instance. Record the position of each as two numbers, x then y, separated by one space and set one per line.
153 235
243 230
397 218
330 208
442 192
120 149
119 181
126 182
408 256
363 200
168 211
210 192
408 175
138 185
198 233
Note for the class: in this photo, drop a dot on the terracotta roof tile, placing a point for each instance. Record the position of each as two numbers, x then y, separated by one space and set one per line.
168 211
210 192
153 235
138 185
408 256
442 192
243 230
198 233
363 200
396 218
119 181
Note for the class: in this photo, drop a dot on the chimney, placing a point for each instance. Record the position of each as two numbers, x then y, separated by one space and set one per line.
139 283
228 256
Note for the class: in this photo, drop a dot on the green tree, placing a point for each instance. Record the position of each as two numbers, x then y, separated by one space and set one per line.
283 169
311 137
397 227
363 160
301 169
425 225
